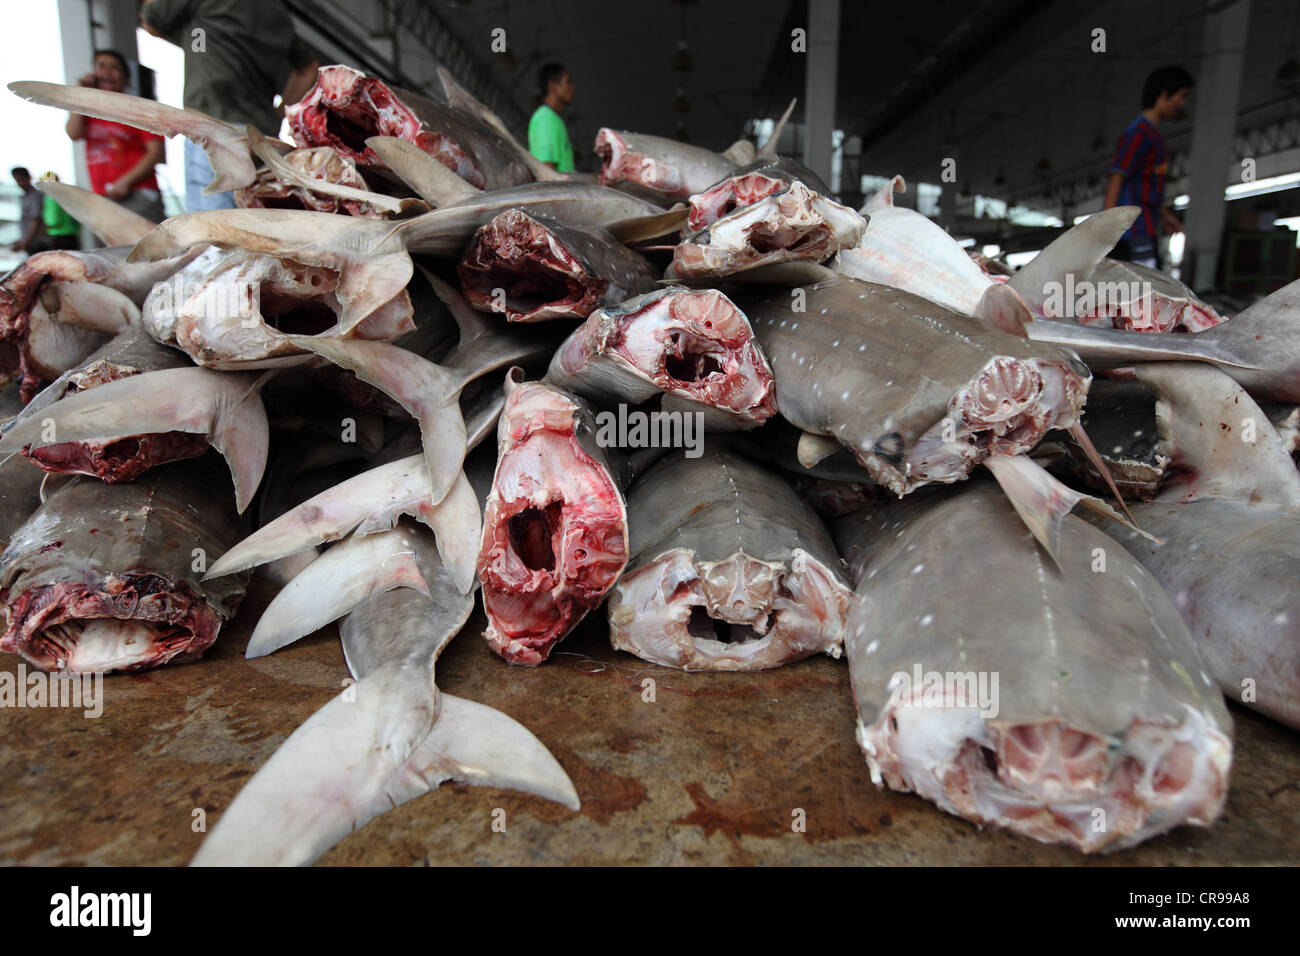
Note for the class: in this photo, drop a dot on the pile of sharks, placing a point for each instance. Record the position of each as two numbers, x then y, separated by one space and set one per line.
417 369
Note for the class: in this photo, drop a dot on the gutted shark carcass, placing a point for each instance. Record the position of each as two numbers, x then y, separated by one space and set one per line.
109 577
730 570
1073 709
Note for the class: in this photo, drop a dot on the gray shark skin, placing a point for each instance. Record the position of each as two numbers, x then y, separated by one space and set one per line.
919 393
1103 728
1228 528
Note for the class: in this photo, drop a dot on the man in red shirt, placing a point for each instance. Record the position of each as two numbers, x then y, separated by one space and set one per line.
121 158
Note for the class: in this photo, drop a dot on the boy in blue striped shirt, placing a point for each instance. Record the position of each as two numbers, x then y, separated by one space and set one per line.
1137 173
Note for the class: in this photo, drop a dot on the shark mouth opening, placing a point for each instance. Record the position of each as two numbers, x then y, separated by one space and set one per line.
243 312
1006 410
728 196
118 459
129 621
294 311
1050 781
516 265
268 191
736 614
345 108
554 540
1154 313
795 224
27 332
698 344
619 164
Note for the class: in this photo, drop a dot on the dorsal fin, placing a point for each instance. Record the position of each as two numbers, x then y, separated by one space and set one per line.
741 152
460 98
1218 439
114 224
768 148
884 196
1077 251
431 180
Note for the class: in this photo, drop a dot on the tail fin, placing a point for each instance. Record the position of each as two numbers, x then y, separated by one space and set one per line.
361 755
474 744
320 785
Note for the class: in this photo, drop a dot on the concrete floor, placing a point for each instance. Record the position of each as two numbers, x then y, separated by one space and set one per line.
709 773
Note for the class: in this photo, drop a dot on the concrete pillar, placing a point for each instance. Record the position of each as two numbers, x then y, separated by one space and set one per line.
1218 85
77 40
820 77
116 22
948 190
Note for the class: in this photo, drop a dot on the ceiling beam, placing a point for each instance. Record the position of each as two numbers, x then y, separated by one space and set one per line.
978 51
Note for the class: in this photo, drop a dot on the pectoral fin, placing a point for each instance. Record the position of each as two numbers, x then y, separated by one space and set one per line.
224 406
1217 437
113 223
813 448
641 228
337 582
1043 502
431 181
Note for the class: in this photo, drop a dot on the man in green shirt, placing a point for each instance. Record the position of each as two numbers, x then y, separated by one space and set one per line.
548 139
61 230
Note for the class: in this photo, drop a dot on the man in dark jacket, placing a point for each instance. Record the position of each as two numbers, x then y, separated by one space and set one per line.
238 55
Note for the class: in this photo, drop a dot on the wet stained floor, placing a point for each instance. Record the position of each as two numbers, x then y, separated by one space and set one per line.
714 770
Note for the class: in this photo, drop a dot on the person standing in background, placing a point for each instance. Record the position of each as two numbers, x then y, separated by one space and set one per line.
239 54
1137 173
61 230
29 219
548 139
121 158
